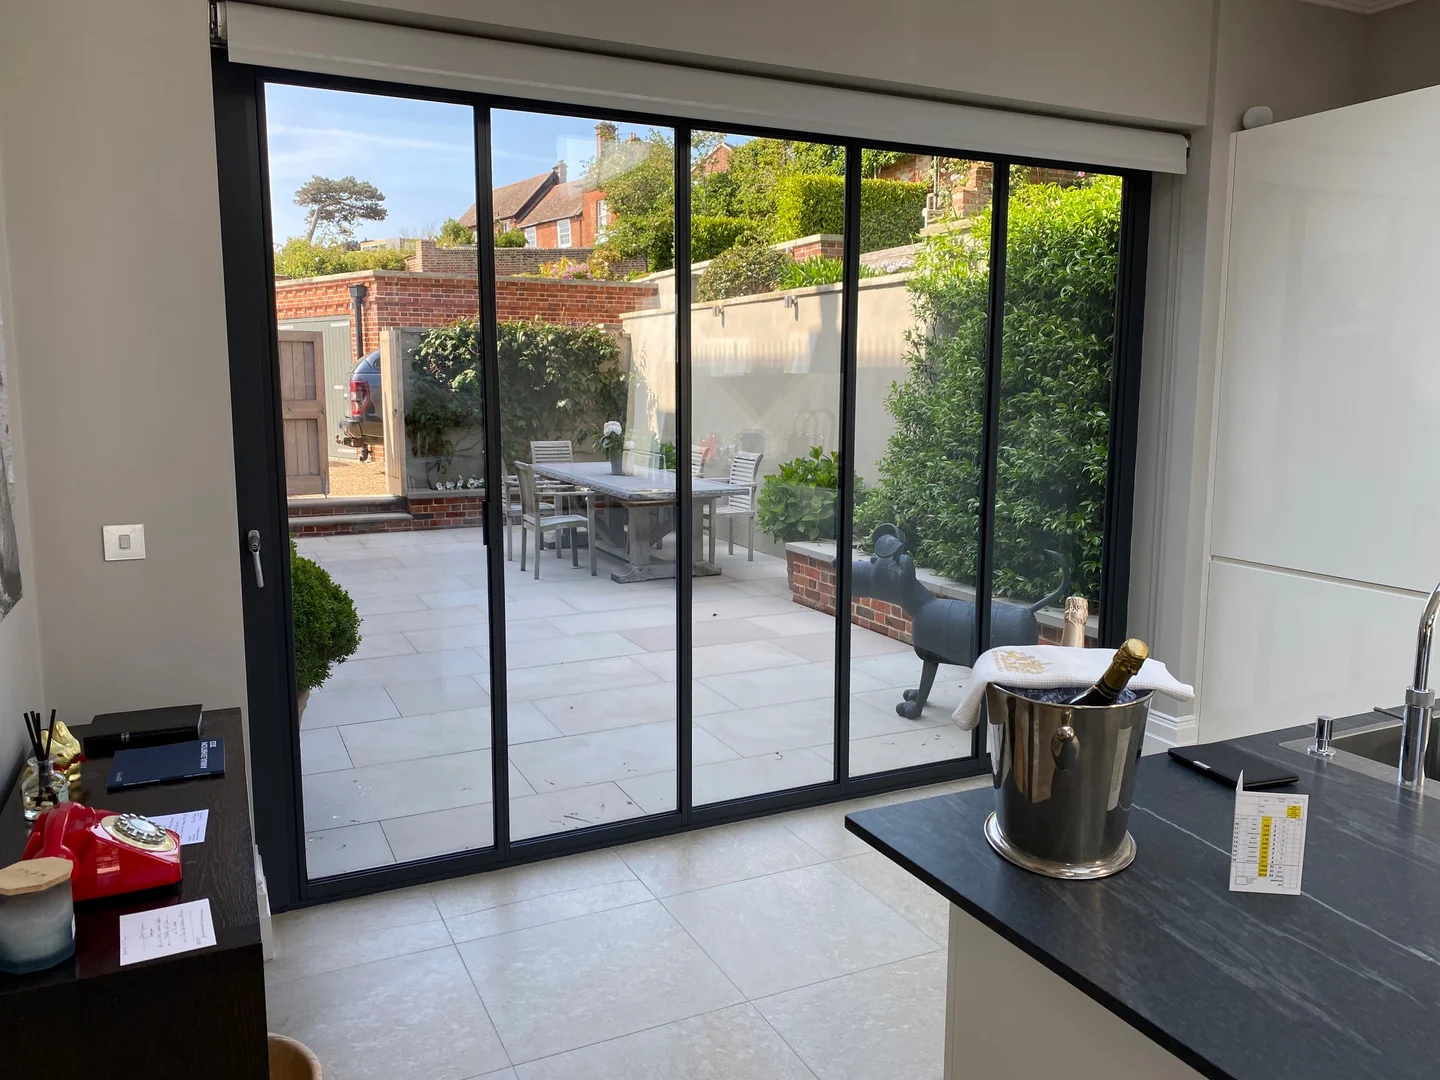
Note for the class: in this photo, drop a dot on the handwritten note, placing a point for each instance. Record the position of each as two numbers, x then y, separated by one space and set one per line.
190 827
1267 848
150 935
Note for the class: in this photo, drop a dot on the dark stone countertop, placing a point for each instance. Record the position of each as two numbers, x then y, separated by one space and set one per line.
1342 981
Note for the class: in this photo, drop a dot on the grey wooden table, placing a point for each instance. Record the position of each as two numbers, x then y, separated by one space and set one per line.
636 505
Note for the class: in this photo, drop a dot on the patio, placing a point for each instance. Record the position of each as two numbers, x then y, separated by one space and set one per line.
396 746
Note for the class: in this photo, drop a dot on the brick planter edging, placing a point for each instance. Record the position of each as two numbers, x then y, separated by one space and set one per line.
437 510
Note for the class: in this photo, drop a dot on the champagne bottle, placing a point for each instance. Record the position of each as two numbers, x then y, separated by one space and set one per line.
1077 614
1122 669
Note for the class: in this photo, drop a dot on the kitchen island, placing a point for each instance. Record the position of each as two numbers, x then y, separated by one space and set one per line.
1161 972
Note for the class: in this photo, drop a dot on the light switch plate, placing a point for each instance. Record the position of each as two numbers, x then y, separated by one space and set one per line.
123 542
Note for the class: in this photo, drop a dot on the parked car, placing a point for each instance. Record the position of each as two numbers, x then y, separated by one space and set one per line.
364 427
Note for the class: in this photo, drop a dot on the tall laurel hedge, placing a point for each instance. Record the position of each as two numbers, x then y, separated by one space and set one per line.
810 203
1059 324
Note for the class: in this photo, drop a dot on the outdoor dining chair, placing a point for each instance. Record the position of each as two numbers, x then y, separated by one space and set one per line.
532 520
744 469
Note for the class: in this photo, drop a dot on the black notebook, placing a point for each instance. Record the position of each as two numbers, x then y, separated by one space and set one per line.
162 764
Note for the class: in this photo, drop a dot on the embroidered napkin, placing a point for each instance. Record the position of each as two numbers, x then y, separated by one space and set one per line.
1038 667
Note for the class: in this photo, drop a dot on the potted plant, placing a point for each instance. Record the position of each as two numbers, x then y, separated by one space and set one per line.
327 628
798 502
612 445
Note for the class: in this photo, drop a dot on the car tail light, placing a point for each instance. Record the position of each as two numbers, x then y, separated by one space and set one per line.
359 398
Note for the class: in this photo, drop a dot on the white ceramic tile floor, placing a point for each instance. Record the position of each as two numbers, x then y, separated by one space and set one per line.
592 698
763 950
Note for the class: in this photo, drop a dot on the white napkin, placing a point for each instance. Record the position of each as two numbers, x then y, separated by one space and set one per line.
1039 667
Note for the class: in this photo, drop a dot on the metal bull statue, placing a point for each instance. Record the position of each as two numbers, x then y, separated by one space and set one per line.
942 629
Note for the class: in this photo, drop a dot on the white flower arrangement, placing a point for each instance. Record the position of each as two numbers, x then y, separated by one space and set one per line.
465 483
612 438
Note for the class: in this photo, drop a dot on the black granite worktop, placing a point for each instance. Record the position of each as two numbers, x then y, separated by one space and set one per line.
1340 982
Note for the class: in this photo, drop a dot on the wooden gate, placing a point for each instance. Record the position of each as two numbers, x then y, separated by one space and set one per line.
302 412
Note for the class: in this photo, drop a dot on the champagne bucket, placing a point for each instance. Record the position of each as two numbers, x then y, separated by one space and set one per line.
1064 777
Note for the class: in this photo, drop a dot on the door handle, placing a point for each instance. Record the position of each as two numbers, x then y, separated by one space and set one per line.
254 544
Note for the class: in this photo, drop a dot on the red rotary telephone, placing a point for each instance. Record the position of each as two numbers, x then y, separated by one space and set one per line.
113 853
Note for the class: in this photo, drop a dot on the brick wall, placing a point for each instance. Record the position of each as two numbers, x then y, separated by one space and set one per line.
400 299
433 510
509 262
807 247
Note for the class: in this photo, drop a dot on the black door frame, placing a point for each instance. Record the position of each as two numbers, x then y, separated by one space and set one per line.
260 490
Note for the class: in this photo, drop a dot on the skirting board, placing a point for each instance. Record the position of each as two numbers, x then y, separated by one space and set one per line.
1164 731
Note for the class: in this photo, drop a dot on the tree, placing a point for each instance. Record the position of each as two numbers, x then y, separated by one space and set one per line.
453 234
638 178
332 207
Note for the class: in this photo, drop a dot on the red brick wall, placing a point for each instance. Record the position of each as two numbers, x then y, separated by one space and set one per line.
589 218
547 234
436 510
397 299
832 247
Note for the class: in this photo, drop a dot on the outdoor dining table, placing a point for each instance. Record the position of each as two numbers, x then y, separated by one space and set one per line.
642 496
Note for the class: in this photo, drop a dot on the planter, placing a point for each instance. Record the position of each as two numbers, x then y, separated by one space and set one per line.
617 464
300 700
291 1060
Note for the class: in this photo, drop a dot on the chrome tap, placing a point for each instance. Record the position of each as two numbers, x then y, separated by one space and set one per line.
1417 748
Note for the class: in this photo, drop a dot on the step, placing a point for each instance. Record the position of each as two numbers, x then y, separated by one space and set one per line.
298 520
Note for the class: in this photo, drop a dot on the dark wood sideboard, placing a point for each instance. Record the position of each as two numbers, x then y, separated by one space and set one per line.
199 1014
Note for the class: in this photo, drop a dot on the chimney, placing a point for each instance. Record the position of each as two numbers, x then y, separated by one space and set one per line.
606 136
560 171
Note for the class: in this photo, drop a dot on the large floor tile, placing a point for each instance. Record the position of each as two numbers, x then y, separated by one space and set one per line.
702 633
780 686
874 1025
384 670
329 852
366 606
625 598
797 621
823 827
410 1016
717 856
340 935
742 607
601 756
551 908
944 696
460 896
420 697
334 704
572 808
732 779
399 789
881 753
441 638
531 683
377 645
772 728
562 650
902 891
599 710
723 659
404 620
409 738
787 930
569 984
821 646
322 750
729 1044
657 620
440 832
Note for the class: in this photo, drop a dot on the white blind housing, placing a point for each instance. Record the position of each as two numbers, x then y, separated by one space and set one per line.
270 37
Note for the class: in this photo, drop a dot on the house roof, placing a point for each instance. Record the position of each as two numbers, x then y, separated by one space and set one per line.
561 201
510 200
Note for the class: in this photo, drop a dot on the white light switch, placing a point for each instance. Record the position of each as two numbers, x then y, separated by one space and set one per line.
123 541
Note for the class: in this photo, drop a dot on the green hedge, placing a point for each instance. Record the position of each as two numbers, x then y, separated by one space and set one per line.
890 210
709 236
299 258
748 268
1058 334
556 382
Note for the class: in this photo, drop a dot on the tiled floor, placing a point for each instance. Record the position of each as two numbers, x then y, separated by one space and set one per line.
776 949
396 746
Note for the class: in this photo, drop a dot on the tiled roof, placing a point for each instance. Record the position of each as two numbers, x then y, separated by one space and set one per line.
561 201
512 198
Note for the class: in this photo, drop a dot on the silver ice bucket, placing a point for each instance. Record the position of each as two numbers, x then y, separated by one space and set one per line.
1064 776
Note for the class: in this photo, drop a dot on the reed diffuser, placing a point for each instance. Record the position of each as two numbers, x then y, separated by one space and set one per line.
42 787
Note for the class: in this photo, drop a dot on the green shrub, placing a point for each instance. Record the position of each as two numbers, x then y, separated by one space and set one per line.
1058 334
300 258
890 210
327 629
748 268
798 502
508 238
453 234
709 236
819 270
556 382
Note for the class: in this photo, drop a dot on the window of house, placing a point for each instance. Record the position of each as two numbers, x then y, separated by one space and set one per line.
563 233
530 236
602 220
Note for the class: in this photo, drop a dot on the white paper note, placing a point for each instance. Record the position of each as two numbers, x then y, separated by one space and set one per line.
190 827
1267 851
149 935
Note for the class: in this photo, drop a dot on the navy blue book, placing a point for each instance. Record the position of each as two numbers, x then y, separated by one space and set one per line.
147 765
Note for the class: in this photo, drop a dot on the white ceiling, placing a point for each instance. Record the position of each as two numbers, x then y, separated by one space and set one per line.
1364 7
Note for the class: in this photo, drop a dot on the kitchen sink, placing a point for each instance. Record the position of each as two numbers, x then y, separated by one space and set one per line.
1373 750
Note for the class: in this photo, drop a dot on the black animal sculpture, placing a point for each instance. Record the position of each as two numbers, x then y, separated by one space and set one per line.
942 629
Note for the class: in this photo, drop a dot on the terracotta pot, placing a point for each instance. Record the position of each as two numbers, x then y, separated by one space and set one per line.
300 700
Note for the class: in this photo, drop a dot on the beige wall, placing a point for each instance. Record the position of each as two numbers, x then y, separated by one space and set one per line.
119 330
21 685
1403 49
1120 59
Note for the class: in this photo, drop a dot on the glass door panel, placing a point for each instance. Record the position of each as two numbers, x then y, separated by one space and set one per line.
922 346
766 246
584 229
395 741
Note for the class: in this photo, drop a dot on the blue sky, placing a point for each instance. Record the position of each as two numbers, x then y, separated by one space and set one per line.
419 153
